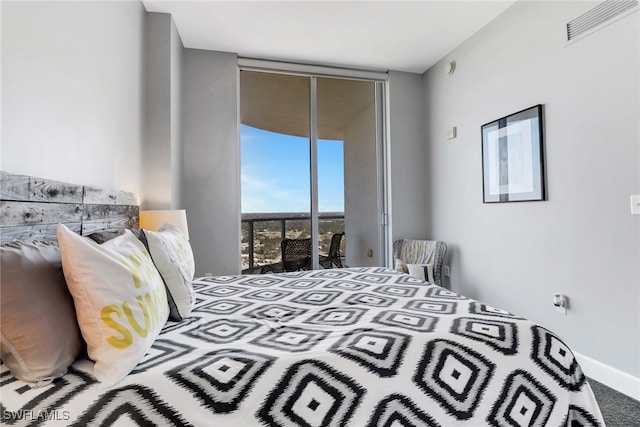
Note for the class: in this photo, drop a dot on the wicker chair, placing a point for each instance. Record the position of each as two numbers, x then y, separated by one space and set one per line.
334 255
296 255
422 252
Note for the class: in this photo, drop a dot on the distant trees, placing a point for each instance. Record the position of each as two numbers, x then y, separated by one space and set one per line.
267 237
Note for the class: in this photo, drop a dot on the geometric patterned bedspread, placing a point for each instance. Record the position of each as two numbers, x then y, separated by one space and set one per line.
344 347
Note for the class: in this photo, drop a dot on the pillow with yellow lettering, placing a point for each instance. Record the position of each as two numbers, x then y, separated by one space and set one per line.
119 296
172 255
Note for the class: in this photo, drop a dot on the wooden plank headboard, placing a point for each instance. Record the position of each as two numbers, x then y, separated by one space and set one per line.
31 208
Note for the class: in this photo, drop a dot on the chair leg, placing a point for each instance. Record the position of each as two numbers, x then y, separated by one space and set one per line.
271 268
325 261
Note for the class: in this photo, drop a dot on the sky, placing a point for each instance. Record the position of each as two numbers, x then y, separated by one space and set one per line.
275 173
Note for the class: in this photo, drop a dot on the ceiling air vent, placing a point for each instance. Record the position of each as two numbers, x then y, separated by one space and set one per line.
601 15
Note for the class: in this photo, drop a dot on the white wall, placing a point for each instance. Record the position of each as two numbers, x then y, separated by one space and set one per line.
72 91
211 159
582 242
361 190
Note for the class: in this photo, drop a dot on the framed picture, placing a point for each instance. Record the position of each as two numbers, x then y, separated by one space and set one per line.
513 158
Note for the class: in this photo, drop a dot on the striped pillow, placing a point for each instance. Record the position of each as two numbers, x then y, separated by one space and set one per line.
173 257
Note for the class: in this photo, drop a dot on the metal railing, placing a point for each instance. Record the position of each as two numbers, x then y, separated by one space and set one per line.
275 233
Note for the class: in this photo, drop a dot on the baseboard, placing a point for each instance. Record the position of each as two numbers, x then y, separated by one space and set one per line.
610 376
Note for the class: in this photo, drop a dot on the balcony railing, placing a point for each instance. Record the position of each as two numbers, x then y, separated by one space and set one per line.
263 232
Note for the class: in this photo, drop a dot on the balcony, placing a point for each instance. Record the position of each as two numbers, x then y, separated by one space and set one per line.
263 232
347 110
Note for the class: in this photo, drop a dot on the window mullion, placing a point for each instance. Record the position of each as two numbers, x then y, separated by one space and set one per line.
313 168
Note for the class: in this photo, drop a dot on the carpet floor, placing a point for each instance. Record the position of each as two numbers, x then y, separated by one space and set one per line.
618 410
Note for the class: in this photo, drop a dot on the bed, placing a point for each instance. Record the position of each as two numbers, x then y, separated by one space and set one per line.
340 347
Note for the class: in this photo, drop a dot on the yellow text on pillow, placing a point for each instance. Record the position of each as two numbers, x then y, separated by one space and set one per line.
150 304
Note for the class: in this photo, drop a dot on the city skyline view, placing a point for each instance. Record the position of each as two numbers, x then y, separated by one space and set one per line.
275 173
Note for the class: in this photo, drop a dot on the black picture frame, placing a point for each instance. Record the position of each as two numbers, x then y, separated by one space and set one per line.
513 157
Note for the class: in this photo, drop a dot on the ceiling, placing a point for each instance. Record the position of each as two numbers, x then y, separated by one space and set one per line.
280 103
373 35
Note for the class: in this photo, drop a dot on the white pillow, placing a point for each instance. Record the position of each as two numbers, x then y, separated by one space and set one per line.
119 296
421 271
173 257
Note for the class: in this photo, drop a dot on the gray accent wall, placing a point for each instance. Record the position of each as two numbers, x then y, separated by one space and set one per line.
407 153
72 91
211 159
177 162
162 159
582 241
361 190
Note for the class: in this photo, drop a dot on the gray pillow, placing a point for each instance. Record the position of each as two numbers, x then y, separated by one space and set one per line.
40 336
103 236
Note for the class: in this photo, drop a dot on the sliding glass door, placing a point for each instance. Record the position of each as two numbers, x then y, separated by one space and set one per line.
309 166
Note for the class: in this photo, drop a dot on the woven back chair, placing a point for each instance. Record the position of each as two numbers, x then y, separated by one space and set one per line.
296 254
334 255
422 252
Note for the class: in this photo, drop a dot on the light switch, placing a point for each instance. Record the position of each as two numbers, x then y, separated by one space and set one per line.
635 205
451 133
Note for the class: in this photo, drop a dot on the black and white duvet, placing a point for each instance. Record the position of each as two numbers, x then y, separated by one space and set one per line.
347 347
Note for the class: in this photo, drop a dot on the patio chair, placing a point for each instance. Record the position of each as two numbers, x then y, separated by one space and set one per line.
334 257
296 255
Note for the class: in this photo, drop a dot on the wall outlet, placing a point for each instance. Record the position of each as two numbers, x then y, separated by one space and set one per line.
635 205
560 303
447 271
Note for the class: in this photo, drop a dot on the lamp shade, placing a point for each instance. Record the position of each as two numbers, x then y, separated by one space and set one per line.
153 220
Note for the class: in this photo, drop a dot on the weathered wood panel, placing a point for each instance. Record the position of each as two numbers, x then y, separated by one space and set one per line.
31 208
110 224
109 218
97 196
32 189
93 212
34 232
38 213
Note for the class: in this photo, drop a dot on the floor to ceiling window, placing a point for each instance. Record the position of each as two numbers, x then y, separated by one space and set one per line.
309 166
